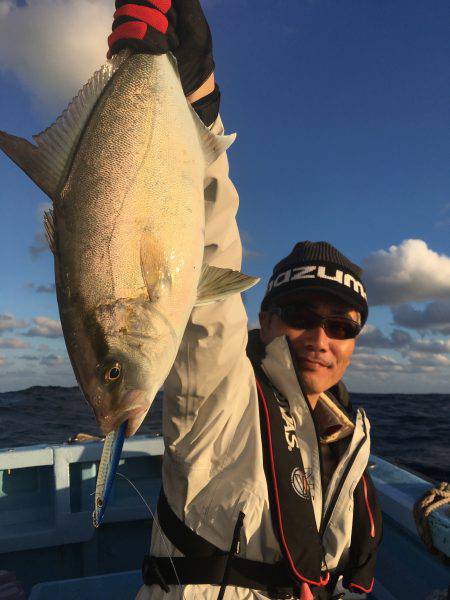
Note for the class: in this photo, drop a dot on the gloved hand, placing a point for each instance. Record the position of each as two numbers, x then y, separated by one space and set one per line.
157 26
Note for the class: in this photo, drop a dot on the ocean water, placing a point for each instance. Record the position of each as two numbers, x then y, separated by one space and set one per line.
411 430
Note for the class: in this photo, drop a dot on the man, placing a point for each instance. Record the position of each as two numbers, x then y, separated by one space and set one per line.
265 493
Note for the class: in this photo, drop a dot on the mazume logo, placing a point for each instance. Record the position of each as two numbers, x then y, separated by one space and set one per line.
318 272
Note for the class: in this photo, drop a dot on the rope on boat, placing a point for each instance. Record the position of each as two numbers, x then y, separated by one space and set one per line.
433 499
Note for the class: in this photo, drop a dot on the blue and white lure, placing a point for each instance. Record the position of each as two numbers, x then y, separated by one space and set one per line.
112 449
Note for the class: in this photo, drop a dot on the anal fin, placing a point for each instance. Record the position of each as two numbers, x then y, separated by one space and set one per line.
49 226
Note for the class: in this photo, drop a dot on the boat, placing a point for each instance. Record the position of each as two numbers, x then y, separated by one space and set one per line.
49 545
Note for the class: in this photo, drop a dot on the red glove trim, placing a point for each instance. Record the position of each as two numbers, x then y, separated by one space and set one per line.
360 587
151 16
162 5
134 29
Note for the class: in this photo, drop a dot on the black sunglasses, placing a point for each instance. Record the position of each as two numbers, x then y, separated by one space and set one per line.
302 317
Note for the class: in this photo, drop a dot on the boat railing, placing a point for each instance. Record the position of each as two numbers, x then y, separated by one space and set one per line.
46 492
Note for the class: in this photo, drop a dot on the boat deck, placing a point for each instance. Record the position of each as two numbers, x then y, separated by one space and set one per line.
46 531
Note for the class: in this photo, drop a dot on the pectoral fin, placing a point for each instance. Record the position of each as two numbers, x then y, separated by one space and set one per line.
216 284
154 268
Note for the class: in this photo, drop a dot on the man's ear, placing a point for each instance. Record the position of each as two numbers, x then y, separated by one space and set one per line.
264 321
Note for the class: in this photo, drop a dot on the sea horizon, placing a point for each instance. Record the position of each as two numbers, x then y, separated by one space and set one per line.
410 430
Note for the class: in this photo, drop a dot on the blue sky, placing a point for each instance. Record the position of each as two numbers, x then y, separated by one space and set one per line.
341 110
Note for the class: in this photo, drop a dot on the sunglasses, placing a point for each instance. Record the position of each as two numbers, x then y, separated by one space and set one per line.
302 317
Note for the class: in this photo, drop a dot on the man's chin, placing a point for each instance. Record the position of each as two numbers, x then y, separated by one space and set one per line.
314 385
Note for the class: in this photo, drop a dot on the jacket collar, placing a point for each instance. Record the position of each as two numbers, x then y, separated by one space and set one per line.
278 366
276 361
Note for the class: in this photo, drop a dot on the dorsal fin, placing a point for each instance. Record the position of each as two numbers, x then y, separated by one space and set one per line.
47 161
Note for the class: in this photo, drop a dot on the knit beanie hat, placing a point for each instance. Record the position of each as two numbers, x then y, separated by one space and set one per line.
318 266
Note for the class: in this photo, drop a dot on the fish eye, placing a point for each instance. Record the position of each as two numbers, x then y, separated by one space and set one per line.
113 373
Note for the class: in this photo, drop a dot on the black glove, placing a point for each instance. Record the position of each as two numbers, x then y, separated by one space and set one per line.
157 26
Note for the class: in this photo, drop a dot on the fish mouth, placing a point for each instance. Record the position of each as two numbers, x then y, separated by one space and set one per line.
135 421
134 414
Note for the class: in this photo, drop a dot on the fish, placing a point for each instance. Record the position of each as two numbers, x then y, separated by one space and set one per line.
112 450
124 166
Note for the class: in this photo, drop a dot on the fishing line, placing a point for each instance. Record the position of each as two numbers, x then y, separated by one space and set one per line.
159 529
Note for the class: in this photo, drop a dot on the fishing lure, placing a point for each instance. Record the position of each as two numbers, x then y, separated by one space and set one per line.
112 449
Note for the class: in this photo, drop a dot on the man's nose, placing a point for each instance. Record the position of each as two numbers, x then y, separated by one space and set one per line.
317 338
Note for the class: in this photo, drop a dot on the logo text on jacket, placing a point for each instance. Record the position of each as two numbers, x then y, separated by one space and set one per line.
288 423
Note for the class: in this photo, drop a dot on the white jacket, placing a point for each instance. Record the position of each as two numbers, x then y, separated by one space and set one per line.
213 461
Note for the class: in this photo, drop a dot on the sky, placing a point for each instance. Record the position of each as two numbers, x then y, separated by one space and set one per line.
341 112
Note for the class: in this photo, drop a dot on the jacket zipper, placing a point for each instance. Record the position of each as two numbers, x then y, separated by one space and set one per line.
320 457
338 490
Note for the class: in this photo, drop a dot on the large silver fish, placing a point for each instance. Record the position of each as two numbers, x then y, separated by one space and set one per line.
124 166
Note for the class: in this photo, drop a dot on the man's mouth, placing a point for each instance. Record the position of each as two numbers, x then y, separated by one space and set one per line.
313 363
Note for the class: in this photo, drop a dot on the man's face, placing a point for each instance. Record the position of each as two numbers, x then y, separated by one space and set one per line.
321 360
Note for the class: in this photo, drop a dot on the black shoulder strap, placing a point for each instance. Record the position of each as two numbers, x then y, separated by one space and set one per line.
189 570
289 491
204 563
179 534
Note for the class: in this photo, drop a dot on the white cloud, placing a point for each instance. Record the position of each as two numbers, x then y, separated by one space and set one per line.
370 363
416 359
52 360
2 360
410 272
41 288
423 359
8 322
435 317
39 245
431 346
31 357
373 337
54 46
13 343
45 327
402 341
